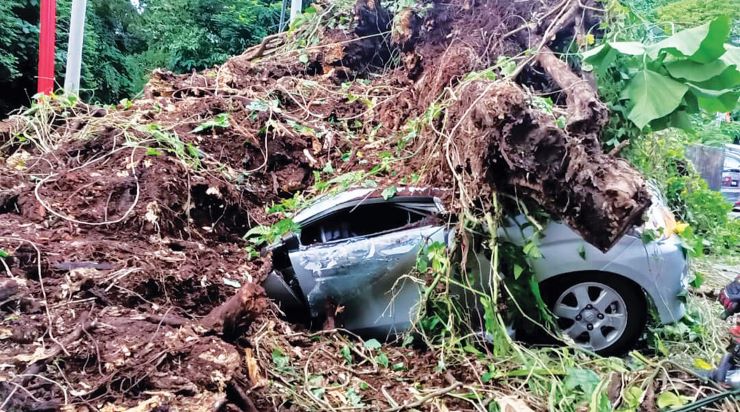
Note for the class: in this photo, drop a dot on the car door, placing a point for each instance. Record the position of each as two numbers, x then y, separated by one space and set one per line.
364 274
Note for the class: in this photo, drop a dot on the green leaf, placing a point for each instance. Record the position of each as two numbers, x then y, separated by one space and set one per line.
582 252
561 122
389 192
346 354
603 55
715 100
488 376
219 121
279 358
633 396
670 400
318 392
653 96
303 58
372 344
698 280
518 270
631 48
258 106
701 44
382 359
702 364
596 55
422 263
193 151
4 254
728 79
354 398
696 72
532 250
585 379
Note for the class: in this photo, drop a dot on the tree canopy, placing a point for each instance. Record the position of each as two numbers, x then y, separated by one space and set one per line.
180 35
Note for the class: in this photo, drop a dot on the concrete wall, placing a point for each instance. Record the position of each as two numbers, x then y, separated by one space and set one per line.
709 162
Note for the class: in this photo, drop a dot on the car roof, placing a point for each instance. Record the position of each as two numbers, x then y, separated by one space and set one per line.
330 201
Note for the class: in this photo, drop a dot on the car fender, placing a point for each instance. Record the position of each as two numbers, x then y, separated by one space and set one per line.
655 267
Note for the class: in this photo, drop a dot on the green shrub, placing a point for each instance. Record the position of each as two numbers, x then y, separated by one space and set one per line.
690 13
661 158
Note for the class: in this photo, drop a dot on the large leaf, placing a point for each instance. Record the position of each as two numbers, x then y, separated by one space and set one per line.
697 72
631 48
606 53
715 100
654 96
701 44
729 79
599 57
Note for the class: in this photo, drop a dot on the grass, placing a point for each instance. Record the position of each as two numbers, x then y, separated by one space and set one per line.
338 371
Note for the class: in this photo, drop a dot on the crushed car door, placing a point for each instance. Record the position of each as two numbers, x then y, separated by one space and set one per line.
364 273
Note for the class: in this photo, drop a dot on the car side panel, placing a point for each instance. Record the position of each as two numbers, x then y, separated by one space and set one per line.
658 267
365 277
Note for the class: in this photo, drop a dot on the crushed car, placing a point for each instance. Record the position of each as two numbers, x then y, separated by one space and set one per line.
353 250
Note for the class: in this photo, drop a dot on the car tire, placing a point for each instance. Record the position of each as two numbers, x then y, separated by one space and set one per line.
601 312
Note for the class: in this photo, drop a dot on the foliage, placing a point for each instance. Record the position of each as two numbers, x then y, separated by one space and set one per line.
661 157
18 50
220 121
690 13
179 35
186 35
690 71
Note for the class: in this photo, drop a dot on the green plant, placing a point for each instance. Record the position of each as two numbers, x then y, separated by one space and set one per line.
220 121
690 13
661 157
690 71
188 153
266 235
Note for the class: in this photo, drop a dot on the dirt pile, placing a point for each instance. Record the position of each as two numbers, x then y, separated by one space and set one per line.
126 276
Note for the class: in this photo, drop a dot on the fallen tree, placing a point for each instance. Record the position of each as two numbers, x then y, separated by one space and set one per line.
156 194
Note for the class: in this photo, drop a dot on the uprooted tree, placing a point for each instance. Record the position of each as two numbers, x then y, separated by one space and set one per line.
134 215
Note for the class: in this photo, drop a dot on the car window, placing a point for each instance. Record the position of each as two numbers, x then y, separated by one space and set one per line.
360 220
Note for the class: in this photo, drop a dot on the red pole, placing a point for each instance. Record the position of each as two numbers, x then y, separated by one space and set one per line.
47 39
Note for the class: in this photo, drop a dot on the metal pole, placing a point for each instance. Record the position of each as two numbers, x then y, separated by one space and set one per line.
296 6
74 50
47 39
282 16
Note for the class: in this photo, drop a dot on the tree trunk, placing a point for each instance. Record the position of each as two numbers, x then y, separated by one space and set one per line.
504 143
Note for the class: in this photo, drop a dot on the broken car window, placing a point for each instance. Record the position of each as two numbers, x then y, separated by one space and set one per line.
362 220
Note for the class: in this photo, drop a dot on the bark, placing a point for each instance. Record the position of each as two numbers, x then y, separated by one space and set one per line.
233 317
506 145
587 115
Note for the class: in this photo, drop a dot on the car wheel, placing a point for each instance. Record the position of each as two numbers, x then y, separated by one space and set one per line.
601 312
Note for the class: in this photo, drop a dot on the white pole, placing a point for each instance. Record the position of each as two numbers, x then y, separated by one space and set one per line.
296 7
74 50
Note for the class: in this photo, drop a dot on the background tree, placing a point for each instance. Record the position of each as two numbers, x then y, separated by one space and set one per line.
123 42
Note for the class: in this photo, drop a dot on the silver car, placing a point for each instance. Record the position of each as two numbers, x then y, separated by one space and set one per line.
353 250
